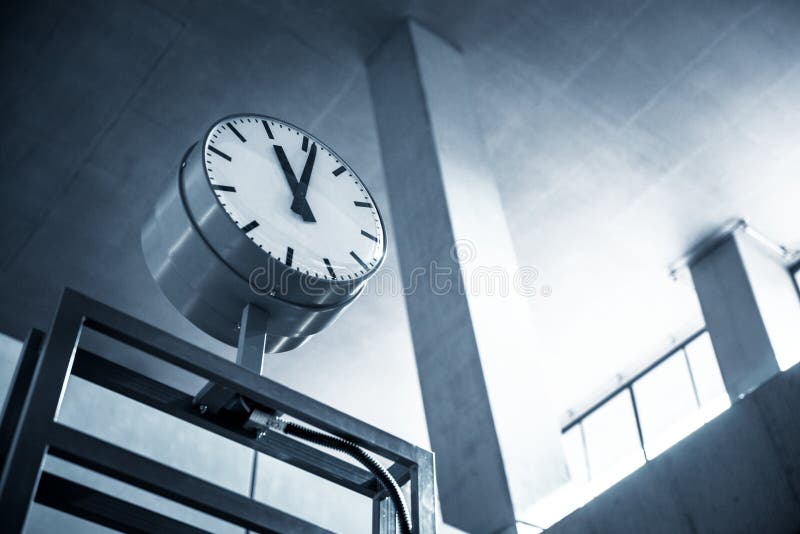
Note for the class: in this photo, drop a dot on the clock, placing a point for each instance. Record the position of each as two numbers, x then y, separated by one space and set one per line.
263 213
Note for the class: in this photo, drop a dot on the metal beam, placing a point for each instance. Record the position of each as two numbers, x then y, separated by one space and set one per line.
252 337
423 493
147 338
384 518
23 460
92 505
133 385
23 375
131 468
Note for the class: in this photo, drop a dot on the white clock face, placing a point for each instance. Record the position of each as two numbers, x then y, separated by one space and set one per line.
294 197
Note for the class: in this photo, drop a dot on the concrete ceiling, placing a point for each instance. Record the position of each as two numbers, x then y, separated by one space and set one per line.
620 132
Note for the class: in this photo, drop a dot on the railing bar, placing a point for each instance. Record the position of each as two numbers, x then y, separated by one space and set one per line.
585 453
622 387
691 378
638 423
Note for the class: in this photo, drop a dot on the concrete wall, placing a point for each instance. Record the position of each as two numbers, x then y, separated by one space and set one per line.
740 473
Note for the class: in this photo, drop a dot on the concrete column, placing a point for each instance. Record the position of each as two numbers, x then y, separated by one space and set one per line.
751 311
496 438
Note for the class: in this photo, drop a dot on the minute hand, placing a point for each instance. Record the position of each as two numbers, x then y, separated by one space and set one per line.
300 204
293 185
287 168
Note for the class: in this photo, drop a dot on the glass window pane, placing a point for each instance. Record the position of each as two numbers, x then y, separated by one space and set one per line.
573 450
667 406
612 442
707 377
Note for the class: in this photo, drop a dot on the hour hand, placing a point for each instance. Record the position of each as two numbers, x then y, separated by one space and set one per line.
300 204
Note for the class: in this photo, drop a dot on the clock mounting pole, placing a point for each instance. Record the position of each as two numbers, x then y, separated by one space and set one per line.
249 354
225 405
252 338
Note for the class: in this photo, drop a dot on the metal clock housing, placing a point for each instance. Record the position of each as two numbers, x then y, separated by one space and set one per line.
211 265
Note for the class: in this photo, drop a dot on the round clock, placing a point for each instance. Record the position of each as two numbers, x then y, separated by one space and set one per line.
263 213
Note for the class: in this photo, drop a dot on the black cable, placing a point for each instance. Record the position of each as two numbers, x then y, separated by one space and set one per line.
365 459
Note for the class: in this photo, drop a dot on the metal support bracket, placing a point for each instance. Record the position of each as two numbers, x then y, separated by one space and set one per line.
29 432
215 398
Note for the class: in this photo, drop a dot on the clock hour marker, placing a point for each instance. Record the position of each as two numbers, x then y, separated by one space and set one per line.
369 236
266 127
234 130
330 269
305 144
289 255
251 225
227 188
362 204
219 152
359 260
339 171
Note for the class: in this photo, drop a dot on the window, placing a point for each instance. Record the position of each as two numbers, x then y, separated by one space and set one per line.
711 393
612 441
680 394
575 453
645 416
667 404
652 411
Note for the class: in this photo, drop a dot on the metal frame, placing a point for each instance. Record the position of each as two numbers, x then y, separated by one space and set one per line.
29 431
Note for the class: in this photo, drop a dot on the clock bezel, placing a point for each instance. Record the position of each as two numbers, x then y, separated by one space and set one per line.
242 253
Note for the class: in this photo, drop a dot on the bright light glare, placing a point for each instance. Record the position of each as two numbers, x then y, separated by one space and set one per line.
668 411
524 528
667 405
572 440
557 505
566 499
672 435
612 441
615 472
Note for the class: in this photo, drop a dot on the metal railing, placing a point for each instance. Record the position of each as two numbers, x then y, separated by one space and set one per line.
707 407
628 385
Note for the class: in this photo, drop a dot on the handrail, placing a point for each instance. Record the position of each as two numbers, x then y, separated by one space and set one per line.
628 383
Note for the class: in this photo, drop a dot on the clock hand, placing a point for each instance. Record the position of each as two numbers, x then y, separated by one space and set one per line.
287 168
300 203
293 185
